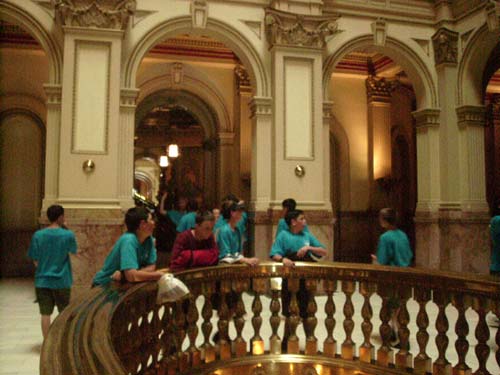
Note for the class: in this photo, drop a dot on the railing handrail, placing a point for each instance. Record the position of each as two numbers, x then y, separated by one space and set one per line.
80 340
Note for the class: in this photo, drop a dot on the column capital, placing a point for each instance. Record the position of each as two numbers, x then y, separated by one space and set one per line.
225 138
54 93
471 115
297 30
428 117
379 89
128 97
445 44
327 110
111 14
261 106
492 12
242 80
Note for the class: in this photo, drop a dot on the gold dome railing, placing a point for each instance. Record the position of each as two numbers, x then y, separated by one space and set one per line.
119 329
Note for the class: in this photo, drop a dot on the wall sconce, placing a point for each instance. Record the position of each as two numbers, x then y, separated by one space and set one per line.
88 166
164 161
173 151
300 171
385 183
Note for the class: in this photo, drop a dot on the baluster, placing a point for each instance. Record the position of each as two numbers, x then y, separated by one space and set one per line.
385 354
404 358
208 351
180 335
240 345
274 307
330 345
192 319
497 337
482 335
256 342
294 319
422 363
366 350
462 330
223 324
171 336
311 321
441 365
348 348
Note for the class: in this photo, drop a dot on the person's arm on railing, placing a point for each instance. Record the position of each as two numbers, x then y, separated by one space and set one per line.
286 262
136 276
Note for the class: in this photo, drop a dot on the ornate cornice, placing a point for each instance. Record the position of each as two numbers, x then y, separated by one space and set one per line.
445 44
105 14
425 118
471 115
289 29
379 89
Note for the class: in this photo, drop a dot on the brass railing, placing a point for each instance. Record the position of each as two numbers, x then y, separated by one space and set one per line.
120 329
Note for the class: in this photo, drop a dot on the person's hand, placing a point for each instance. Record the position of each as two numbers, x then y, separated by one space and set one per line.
288 263
117 276
251 261
303 251
374 258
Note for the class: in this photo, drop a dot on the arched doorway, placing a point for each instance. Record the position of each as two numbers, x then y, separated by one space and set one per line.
22 138
373 100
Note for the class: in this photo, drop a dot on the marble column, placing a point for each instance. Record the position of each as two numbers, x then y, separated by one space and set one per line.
225 164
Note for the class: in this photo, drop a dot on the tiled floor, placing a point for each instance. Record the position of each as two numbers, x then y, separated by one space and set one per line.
21 338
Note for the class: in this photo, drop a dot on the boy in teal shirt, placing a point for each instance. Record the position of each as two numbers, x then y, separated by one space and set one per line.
495 239
287 205
134 253
49 250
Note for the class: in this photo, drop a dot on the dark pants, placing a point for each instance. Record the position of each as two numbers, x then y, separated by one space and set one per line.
302 298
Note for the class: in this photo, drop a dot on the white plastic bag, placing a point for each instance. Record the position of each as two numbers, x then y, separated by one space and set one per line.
170 289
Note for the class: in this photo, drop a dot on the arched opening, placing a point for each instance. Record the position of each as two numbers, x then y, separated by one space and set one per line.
22 143
373 100
491 95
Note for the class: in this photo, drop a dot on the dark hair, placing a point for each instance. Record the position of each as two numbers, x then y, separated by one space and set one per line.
292 215
54 212
231 197
192 205
202 216
134 216
389 215
226 211
289 204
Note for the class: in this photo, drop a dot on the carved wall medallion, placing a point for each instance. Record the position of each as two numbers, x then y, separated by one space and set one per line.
445 46
107 14
283 28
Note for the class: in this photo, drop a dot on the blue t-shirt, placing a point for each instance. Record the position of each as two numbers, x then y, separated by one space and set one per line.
228 241
188 221
282 225
127 254
394 249
495 238
51 247
175 216
288 243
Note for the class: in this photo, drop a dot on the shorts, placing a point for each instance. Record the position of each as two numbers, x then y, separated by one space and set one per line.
48 298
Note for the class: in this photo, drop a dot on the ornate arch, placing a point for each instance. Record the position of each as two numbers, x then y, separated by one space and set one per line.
412 63
473 65
39 27
217 29
197 93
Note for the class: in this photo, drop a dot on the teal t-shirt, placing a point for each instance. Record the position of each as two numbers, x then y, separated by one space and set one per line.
228 241
175 216
495 238
219 224
288 243
394 249
242 225
282 225
188 221
127 254
51 247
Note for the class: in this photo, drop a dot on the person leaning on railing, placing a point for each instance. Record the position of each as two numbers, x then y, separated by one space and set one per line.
133 256
393 249
295 244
